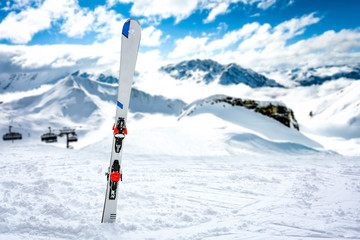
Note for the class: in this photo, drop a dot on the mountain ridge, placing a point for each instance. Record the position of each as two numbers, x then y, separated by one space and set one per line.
211 71
77 100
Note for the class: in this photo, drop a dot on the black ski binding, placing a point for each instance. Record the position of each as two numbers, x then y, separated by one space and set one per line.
119 133
115 176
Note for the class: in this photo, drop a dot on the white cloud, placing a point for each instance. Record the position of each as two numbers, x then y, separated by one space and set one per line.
95 58
262 4
67 57
296 26
77 23
219 9
150 60
18 4
180 9
330 48
267 36
329 42
111 3
233 37
150 36
188 46
258 46
252 36
265 4
39 15
107 23
21 27
265 48
259 39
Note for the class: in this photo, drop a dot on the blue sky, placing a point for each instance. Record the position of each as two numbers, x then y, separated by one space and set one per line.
261 34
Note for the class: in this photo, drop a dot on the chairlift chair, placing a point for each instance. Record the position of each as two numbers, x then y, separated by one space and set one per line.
12 135
49 137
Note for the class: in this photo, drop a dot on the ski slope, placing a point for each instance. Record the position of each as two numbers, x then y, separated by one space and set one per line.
209 175
48 192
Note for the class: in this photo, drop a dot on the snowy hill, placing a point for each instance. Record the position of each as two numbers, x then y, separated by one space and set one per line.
210 71
276 110
337 114
146 103
249 130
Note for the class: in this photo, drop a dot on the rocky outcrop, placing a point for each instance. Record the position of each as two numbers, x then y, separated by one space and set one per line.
276 110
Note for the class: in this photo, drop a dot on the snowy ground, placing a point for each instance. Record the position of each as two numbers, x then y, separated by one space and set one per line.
219 172
49 192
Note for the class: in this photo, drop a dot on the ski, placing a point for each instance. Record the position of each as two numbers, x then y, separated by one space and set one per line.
130 40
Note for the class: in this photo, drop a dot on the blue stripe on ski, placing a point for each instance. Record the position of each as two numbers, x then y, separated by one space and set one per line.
125 30
120 105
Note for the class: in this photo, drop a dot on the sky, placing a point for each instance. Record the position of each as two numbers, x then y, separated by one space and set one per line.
265 35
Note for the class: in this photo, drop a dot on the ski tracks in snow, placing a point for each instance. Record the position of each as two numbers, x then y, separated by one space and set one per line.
51 193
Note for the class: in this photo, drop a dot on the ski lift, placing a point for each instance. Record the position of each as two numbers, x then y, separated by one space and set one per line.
12 135
70 135
73 137
49 137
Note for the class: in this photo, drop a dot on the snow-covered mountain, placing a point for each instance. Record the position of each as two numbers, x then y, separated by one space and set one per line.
75 100
31 80
319 75
208 71
337 114
28 80
107 79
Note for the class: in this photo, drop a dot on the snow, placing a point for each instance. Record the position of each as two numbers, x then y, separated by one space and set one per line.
217 172
49 192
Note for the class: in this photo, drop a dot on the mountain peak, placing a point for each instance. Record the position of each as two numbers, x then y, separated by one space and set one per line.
208 71
106 79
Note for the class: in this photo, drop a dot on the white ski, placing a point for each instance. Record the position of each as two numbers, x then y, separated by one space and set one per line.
130 40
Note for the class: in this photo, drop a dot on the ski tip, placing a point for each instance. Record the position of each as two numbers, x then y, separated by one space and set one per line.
134 20
126 27
125 30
